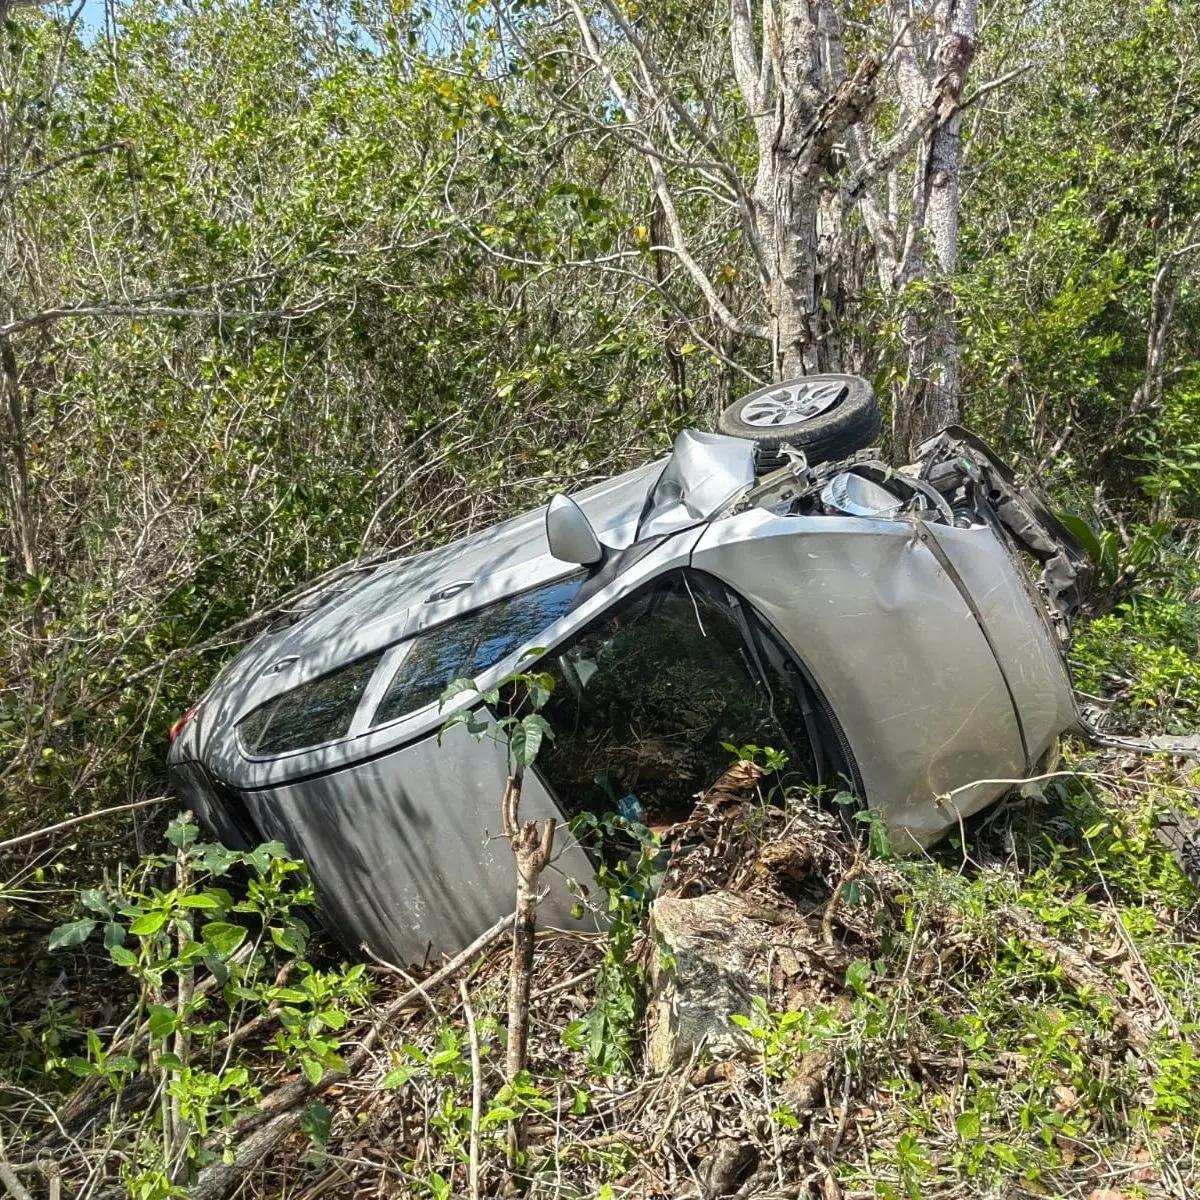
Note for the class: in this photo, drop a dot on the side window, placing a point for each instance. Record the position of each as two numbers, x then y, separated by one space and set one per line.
645 697
315 712
462 648
322 709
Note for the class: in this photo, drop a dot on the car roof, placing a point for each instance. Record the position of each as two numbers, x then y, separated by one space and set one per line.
401 599
397 601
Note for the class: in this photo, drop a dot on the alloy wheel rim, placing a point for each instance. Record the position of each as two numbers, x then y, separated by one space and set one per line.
792 405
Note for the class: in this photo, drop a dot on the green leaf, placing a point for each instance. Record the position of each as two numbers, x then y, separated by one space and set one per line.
96 901
217 967
540 685
290 939
313 1071
456 687
200 900
223 937
497 1115
148 924
182 832
396 1077
217 859
525 740
857 974
315 1123
967 1124
1097 546
162 1020
122 957
72 933
472 718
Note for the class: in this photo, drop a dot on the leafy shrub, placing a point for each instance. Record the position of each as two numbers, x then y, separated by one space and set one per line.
207 966
1143 655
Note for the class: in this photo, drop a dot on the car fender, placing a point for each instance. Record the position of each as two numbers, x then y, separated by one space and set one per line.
891 643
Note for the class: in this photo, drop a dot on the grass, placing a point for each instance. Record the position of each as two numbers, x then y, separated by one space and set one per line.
996 1061
1020 1016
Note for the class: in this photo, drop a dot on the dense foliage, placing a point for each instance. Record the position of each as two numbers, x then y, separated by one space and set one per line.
286 286
283 286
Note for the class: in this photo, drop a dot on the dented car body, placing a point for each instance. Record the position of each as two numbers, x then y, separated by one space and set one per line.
897 634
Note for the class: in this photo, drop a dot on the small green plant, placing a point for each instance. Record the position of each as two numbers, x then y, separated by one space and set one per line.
1143 654
771 760
879 840
518 699
205 963
515 704
606 1033
783 1038
1118 559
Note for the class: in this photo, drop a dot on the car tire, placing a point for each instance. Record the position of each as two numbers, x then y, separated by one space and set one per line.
844 418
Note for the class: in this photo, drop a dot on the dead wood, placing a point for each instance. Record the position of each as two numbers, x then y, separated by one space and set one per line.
8 1177
1083 975
280 1113
532 847
33 835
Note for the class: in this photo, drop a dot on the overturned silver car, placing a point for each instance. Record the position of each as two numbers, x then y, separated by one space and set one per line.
897 634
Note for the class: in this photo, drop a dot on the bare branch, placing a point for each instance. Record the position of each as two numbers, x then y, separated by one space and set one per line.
992 84
891 151
11 185
662 189
658 87
48 316
91 816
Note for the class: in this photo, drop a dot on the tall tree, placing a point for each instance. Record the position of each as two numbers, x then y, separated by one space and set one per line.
835 102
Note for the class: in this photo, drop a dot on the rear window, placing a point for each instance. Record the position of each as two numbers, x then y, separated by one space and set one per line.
318 711
463 648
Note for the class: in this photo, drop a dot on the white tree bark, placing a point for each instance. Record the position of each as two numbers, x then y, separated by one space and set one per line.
955 24
794 85
818 162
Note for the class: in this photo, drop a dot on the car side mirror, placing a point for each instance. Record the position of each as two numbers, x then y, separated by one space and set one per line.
570 534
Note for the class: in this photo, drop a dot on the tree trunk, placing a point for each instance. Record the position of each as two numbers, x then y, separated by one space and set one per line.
933 399
798 210
17 479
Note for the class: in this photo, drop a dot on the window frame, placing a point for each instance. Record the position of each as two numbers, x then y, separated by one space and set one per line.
390 659
832 756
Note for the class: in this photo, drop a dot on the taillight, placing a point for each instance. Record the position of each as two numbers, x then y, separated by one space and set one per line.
177 728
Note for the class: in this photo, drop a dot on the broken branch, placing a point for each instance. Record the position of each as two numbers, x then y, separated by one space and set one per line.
218 1180
476 1090
531 848
91 816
